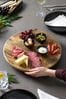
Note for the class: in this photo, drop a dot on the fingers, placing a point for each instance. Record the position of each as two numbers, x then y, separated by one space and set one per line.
33 69
36 69
30 73
34 73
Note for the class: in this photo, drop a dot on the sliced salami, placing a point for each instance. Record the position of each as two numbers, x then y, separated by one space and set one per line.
34 59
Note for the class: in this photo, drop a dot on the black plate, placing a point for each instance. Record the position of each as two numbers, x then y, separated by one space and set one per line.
53 15
18 94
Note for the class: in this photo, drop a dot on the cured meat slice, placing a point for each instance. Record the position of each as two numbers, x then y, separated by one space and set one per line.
16 51
34 59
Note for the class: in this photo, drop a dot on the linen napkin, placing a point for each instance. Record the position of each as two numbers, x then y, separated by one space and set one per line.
44 95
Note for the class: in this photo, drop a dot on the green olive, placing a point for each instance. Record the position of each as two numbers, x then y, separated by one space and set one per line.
41 37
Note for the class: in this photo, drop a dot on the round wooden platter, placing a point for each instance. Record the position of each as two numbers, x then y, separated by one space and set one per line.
47 60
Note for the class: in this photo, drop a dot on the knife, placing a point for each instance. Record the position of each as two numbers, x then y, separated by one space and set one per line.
44 95
55 9
53 6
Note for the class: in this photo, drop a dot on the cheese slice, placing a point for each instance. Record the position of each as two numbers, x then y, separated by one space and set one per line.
22 60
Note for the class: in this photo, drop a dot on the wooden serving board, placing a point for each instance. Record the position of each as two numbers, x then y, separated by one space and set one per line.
47 60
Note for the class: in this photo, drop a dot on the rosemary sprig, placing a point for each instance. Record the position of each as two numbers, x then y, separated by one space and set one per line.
12 79
13 17
6 20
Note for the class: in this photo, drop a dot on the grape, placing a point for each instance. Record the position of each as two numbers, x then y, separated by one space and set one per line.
27 34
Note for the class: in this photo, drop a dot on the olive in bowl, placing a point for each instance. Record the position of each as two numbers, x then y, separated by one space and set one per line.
41 37
42 50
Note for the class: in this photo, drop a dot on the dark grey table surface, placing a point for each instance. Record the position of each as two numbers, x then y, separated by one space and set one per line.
30 20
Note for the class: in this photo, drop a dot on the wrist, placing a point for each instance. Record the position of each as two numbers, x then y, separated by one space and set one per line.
51 73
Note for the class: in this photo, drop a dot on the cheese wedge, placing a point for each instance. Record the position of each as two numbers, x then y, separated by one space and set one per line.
22 60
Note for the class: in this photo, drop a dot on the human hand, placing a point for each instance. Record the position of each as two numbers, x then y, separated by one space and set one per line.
37 72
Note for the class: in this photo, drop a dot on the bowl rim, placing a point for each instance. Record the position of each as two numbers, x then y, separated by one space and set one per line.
55 28
44 47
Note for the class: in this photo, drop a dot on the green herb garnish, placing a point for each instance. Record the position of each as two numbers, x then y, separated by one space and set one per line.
6 20
12 78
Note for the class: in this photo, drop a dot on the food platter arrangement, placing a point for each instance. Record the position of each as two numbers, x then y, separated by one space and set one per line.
31 48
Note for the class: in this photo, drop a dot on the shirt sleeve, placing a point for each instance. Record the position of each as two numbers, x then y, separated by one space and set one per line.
61 74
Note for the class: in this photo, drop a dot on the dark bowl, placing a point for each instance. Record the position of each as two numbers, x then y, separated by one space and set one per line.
52 15
41 41
40 52
18 94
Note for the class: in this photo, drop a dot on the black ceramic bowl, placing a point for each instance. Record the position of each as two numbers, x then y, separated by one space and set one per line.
42 50
18 94
41 37
50 16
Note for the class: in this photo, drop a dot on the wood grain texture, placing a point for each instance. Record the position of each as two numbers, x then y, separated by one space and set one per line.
47 60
